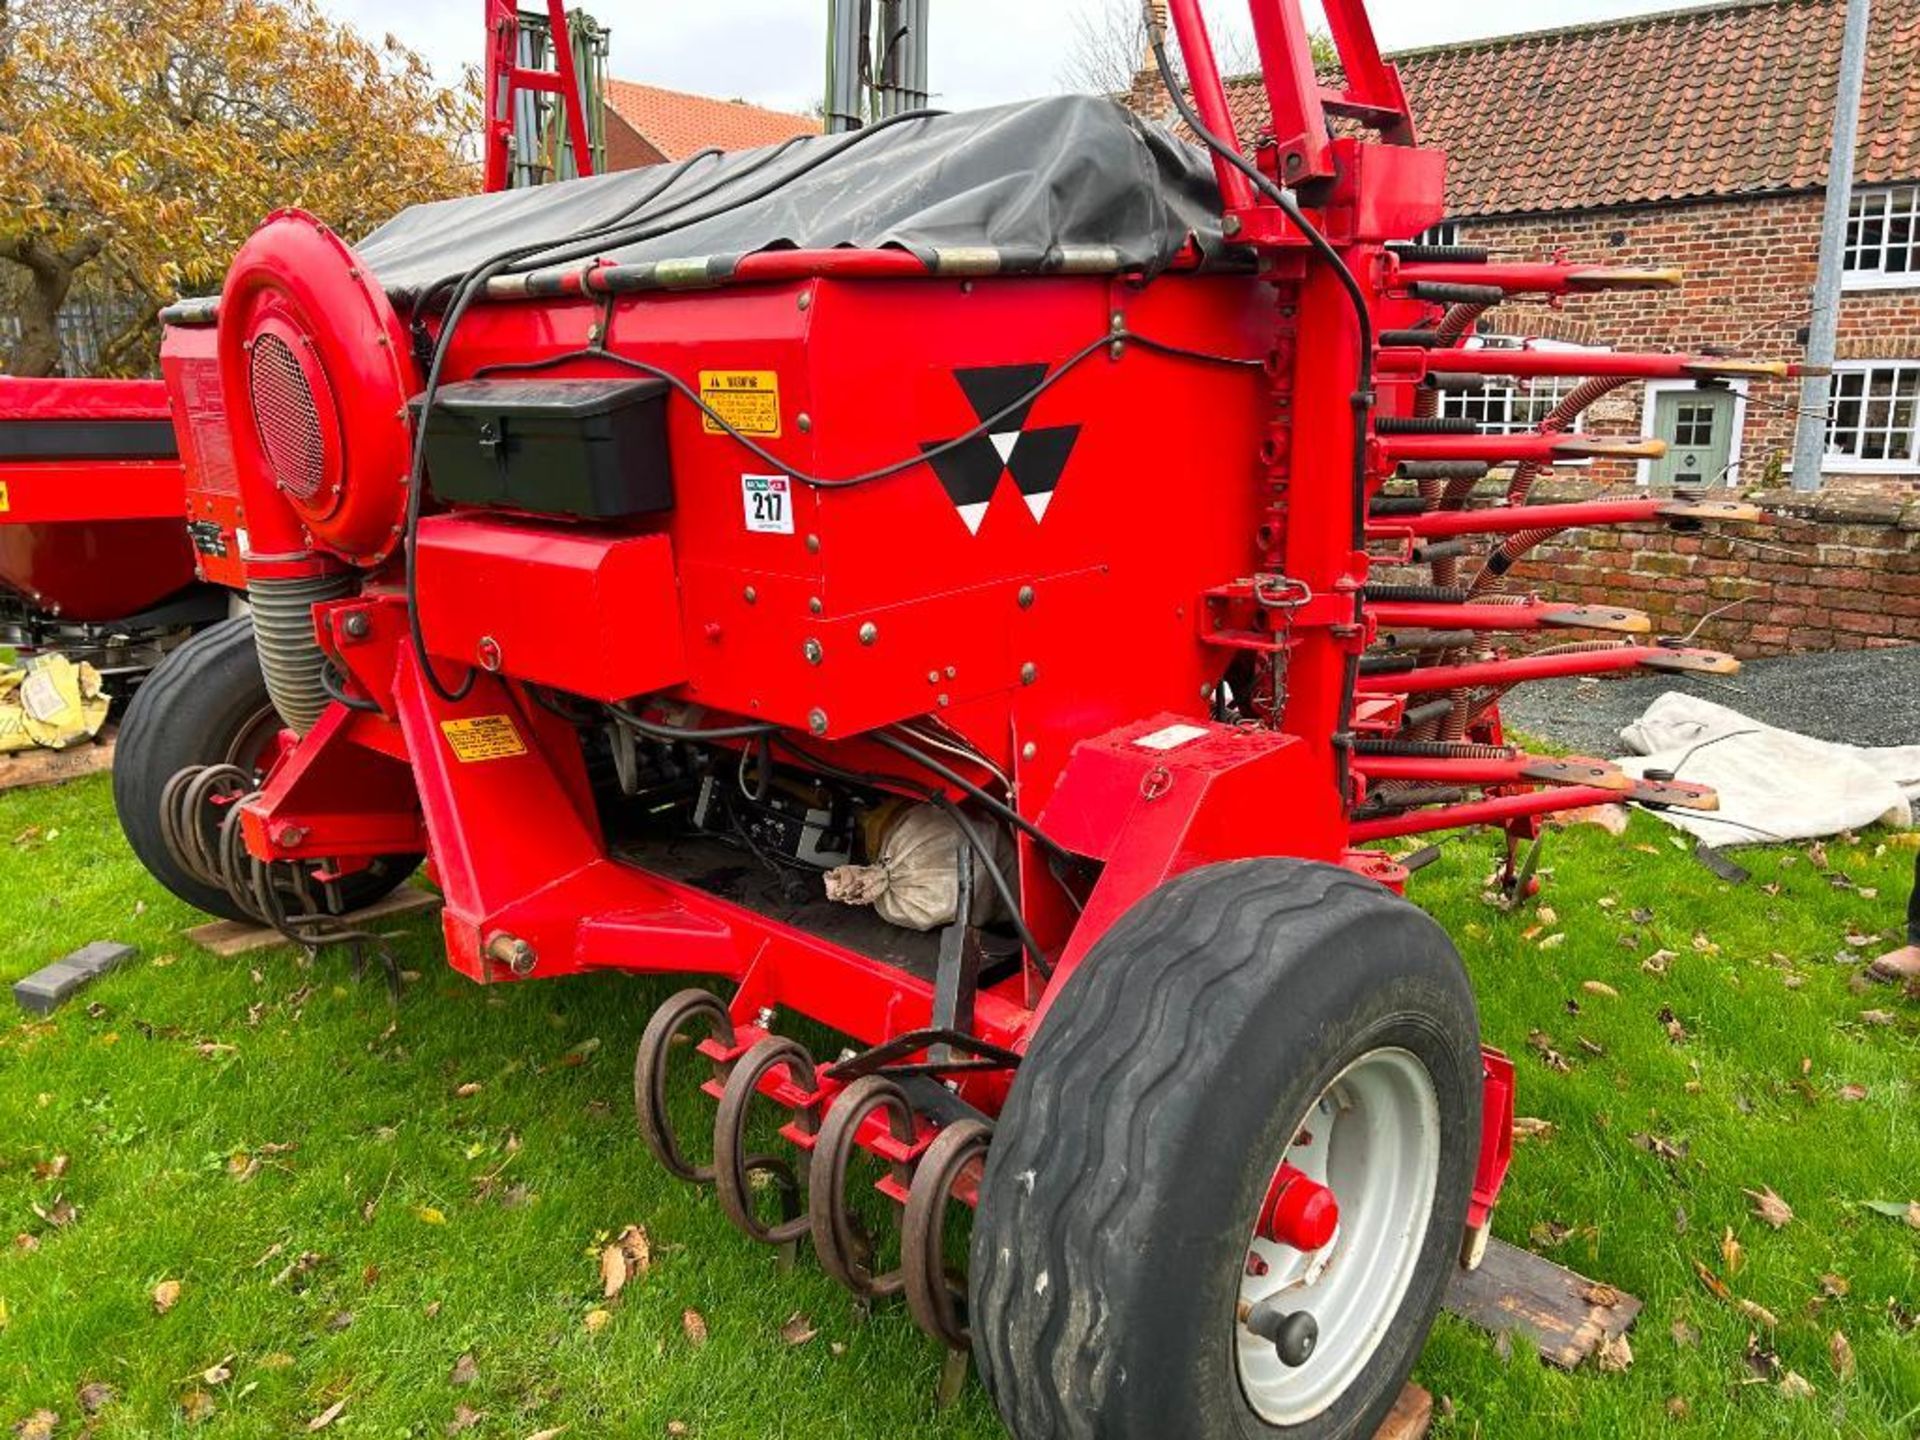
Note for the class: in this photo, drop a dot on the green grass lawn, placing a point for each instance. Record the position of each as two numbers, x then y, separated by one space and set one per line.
346 1219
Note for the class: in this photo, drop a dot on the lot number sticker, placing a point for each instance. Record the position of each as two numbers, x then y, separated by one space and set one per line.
748 400
769 503
484 737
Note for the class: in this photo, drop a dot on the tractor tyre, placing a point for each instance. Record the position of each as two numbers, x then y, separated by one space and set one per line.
1241 1018
206 704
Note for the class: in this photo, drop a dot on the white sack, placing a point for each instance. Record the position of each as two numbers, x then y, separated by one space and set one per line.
915 882
1773 784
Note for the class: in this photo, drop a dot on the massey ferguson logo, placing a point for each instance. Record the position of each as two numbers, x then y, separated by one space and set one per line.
1033 460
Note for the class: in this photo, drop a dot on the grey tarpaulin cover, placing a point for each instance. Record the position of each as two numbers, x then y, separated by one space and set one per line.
1064 173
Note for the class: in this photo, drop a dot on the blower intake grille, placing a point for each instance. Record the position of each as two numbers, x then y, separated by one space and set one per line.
288 418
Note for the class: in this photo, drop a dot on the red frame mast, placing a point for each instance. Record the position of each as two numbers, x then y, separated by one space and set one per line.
507 78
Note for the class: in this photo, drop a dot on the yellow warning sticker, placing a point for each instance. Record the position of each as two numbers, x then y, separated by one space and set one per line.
6 502
748 400
484 737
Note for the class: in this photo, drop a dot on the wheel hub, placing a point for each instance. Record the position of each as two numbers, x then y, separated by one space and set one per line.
1338 1236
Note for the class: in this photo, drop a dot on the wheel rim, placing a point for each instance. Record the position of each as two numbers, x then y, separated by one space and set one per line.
1373 1138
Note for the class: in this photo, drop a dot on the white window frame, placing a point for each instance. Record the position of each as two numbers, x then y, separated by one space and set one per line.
1524 384
1649 424
1877 276
1441 232
1833 464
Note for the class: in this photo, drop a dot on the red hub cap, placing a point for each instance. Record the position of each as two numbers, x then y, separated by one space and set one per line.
1299 1211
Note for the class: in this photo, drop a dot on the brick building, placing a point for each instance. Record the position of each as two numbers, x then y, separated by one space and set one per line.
647 125
1700 138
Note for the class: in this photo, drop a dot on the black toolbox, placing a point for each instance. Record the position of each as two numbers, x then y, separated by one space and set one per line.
593 448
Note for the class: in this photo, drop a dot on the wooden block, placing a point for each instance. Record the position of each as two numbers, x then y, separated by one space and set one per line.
1565 1315
237 937
26 769
1410 1418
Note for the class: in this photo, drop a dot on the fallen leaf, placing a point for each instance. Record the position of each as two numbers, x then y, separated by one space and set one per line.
467 1091
1685 1335
1852 1092
1731 1253
1894 1209
1678 1408
1668 1150
1656 963
552 1434
60 1214
1676 1032
1834 1285
465 1417
677 1428
1795 1386
26 1243
196 1406
1543 1044
1615 1355
326 1417
429 1215
51 1169
1712 1281
1840 1351
465 1370
695 1324
1876 1017
798 1330
1601 988
37 1426
1770 1207
1601 1295
578 1054
1554 941
1531 1127
597 1320
95 1396
1757 1313
219 1372
613 1271
637 1246
165 1294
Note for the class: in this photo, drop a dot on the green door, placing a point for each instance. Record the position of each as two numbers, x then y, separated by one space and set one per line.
1698 428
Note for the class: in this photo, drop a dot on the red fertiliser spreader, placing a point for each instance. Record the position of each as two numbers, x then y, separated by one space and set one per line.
96 558
929 586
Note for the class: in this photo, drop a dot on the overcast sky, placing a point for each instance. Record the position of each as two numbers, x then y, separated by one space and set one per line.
984 51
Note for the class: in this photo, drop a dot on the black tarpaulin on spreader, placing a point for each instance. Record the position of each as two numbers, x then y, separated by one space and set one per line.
1068 173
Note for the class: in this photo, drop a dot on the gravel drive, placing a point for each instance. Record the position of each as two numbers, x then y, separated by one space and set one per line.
1855 697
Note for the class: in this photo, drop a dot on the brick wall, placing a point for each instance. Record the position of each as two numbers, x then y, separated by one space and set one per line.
627 148
1749 268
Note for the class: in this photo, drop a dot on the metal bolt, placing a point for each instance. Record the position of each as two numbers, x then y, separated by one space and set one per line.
1029 673
764 1019
806 300
943 700
1029 750
813 544
869 633
805 422
815 605
490 658
933 677
951 672
1118 323
752 595
513 952
1026 597
966 287
813 652
357 625
817 721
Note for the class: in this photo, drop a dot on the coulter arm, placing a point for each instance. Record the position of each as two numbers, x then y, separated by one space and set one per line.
1450 507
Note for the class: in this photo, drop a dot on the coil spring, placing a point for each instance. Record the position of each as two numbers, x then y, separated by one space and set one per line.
200 825
929 1178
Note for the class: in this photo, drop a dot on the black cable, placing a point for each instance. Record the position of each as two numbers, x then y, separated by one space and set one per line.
1363 397
330 681
919 457
967 832
655 730
953 777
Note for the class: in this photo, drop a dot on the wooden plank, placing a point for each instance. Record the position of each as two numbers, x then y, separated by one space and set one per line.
1566 1316
27 769
237 937
1410 1418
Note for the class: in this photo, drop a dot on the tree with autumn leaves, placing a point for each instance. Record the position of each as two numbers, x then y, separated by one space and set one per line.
142 140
